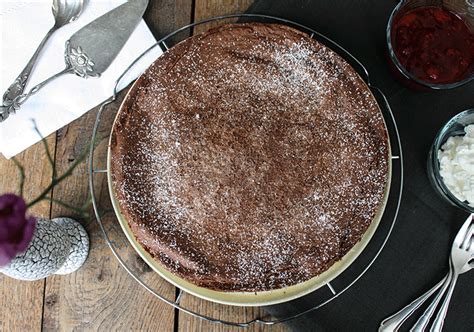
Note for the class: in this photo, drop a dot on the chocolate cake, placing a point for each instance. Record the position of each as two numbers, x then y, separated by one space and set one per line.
249 158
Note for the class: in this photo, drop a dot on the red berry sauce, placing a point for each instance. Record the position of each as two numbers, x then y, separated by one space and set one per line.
434 45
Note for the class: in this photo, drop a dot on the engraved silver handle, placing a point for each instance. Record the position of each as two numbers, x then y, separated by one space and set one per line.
439 320
394 322
422 323
18 86
77 62
5 111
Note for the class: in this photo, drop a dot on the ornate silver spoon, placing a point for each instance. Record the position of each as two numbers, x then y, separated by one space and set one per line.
64 11
91 50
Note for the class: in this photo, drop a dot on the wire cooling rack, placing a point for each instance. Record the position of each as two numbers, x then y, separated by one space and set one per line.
122 250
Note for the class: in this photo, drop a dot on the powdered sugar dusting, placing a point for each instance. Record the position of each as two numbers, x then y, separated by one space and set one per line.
250 158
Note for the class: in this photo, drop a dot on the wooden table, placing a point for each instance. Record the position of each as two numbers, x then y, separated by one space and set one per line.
101 295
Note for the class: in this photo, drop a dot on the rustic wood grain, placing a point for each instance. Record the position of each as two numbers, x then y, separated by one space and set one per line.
207 9
165 16
211 8
223 312
101 295
22 301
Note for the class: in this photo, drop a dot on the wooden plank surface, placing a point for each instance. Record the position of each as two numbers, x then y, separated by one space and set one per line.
101 295
210 8
22 301
207 9
165 16
222 312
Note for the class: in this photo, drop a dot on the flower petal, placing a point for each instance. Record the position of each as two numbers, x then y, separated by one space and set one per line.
16 229
12 215
28 232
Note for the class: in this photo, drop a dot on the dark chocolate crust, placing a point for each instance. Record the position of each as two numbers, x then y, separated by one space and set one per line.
249 158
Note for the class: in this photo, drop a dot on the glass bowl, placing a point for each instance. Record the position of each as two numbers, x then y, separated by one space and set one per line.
454 127
464 9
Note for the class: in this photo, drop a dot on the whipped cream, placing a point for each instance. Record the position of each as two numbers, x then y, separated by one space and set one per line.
456 159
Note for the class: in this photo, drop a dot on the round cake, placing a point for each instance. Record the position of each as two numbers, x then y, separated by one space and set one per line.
249 158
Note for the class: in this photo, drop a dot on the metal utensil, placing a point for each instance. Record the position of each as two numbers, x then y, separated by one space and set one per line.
461 253
422 323
91 50
64 12
394 322
424 320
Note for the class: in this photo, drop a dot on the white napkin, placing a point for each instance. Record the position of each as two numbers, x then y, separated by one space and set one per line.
23 23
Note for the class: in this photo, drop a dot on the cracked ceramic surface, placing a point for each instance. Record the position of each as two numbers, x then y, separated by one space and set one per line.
79 245
59 246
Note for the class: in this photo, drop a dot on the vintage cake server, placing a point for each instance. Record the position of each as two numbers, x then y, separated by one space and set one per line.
91 50
64 11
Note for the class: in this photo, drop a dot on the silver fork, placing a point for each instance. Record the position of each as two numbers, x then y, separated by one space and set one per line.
461 253
424 320
394 322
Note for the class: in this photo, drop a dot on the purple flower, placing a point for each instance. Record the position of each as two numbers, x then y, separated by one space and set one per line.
16 229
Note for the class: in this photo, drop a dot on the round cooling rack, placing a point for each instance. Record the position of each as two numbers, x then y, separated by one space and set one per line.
152 282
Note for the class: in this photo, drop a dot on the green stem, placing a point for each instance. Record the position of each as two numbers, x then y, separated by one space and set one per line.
46 148
79 211
88 201
21 169
58 180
